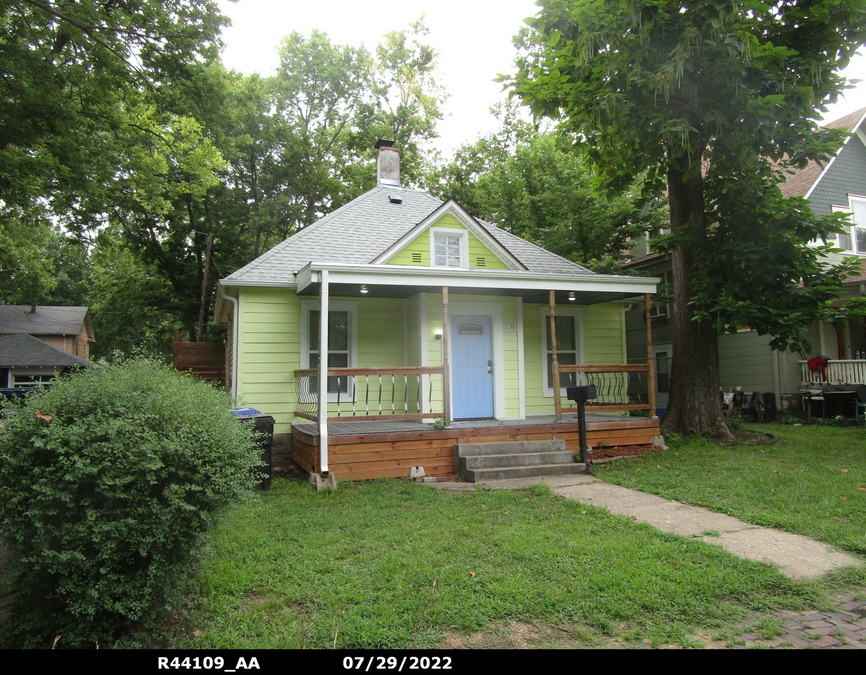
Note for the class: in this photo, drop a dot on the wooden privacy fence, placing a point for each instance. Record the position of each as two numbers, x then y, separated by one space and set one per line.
205 360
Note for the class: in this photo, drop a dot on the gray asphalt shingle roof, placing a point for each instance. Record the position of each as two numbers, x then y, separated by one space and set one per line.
25 351
46 321
363 229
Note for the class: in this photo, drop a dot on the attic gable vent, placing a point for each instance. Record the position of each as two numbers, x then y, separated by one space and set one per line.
480 262
395 200
416 259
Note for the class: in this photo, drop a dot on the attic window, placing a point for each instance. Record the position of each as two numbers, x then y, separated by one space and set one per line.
395 200
449 247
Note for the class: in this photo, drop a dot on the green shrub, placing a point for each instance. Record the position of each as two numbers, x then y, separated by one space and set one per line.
107 479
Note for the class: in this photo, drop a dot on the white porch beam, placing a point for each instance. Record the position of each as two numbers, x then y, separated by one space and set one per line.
404 275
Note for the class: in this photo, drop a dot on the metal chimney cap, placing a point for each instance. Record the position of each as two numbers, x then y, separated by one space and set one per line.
382 143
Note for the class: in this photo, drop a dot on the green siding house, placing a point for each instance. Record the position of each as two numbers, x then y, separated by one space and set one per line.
425 314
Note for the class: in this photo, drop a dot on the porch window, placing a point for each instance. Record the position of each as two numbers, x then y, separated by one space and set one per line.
449 248
568 347
341 344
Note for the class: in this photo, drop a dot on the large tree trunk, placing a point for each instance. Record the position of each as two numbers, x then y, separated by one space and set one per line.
694 406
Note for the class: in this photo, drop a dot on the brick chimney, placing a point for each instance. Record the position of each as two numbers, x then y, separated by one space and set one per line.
387 164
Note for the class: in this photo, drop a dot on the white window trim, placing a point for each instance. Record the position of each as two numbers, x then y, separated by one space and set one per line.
451 232
852 227
308 306
577 313
30 372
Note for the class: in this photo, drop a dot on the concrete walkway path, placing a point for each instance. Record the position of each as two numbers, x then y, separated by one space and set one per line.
842 627
796 556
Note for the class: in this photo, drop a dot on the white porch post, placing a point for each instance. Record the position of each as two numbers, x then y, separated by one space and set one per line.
446 360
323 372
557 394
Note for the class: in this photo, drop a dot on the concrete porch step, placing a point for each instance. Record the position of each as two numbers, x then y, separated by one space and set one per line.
476 462
507 448
524 459
481 475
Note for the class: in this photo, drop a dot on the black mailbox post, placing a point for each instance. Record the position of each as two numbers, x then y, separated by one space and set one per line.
581 395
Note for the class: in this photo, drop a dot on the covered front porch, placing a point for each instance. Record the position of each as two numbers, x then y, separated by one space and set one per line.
516 341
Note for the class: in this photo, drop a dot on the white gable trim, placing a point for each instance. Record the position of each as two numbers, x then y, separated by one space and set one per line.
452 208
855 131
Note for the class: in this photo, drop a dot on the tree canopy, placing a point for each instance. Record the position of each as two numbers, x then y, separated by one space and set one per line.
717 101
125 143
534 185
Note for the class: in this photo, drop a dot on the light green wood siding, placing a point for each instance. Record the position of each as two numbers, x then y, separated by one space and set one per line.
603 344
270 348
420 247
602 333
269 352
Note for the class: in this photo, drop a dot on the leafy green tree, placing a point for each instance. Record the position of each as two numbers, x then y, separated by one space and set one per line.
132 304
26 275
716 101
66 68
408 98
534 185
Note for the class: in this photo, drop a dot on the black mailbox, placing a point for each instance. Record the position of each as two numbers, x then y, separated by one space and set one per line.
583 393
580 395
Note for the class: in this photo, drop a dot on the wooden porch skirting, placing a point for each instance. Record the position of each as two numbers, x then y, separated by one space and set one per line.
361 450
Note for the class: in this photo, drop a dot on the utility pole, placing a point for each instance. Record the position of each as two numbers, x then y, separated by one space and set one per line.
204 286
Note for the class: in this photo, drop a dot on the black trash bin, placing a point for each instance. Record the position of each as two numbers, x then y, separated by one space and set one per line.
264 424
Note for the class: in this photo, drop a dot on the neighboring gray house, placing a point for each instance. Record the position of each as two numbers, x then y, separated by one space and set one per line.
28 362
37 342
745 358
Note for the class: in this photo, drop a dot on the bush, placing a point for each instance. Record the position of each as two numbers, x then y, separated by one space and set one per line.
108 478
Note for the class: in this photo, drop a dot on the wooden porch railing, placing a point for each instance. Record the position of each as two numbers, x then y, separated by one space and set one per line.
370 393
618 387
851 371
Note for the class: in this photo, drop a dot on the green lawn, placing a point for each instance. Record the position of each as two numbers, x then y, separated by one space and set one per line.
390 564
393 564
812 481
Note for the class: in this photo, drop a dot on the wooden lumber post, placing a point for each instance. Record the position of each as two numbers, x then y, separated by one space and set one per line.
651 379
446 360
557 397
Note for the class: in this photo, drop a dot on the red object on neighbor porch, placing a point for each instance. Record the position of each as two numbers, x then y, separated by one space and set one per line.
818 363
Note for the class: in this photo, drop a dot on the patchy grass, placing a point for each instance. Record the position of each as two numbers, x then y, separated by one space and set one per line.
812 481
390 564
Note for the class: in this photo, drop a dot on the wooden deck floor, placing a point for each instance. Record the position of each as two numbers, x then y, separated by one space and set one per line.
359 450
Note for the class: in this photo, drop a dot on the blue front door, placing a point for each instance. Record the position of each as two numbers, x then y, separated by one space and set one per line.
472 367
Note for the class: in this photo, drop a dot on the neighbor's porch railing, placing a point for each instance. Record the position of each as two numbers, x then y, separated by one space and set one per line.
852 371
618 387
371 393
